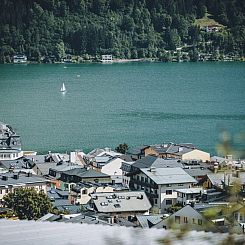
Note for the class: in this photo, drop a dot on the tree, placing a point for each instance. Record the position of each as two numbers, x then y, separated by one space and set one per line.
28 203
122 148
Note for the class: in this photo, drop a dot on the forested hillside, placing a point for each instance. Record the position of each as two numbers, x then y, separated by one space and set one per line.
124 28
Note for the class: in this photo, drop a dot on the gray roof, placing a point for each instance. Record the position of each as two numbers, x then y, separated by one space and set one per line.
137 150
17 164
147 221
72 209
85 219
23 179
152 161
195 172
171 148
86 173
121 202
168 175
44 167
65 167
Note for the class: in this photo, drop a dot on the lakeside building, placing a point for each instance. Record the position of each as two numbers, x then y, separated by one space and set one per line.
19 59
185 151
10 143
106 58
11 181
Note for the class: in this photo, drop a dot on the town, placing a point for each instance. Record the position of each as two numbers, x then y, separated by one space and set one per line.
159 186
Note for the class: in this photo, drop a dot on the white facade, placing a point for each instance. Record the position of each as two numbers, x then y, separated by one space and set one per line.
10 155
113 168
190 195
4 190
196 155
107 58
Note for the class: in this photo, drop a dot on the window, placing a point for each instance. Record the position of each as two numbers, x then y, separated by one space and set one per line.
168 185
199 222
177 219
142 179
180 184
138 177
185 220
193 221
168 192
6 191
169 202
1 191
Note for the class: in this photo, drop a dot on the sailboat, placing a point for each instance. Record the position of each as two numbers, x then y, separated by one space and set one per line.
63 88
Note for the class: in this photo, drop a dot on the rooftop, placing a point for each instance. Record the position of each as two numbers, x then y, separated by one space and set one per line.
168 175
8 179
152 161
190 190
121 202
85 173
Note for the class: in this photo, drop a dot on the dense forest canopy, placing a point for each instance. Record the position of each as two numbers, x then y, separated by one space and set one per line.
124 28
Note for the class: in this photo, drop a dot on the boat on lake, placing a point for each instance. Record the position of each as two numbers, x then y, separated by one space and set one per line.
63 88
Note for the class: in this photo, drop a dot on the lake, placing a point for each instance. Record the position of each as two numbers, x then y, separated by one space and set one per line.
136 103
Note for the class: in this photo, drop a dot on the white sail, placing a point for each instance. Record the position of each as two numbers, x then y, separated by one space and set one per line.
63 88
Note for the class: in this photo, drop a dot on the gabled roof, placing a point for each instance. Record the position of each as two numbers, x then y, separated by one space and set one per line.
147 221
171 148
168 175
152 161
137 150
44 167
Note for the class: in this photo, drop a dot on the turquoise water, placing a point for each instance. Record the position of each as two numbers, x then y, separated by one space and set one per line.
136 103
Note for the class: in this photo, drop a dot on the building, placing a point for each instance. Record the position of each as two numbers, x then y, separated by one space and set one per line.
126 169
160 184
71 177
11 181
10 143
106 58
188 195
121 204
137 152
185 151
80 194
187 217
20 59
114 168
221 180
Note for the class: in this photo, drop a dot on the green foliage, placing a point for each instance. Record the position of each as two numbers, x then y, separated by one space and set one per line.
28 203
126 29
122 148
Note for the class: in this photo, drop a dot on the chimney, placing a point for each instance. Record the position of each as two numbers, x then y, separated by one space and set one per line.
16 176
4 177
152 169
